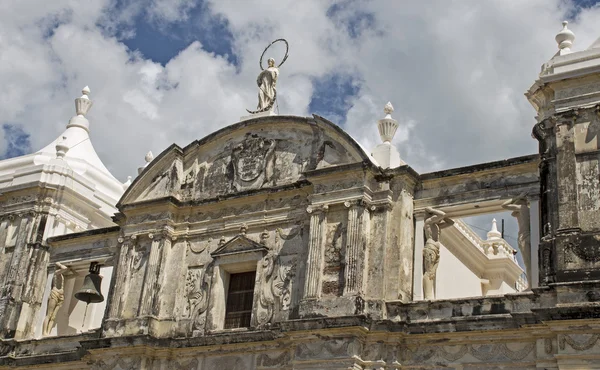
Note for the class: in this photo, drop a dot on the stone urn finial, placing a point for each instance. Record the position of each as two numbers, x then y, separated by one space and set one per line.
149 157
387 126
83 103
565 39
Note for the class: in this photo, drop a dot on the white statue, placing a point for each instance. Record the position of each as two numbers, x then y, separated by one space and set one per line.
520 209
431 252
267 81
56 298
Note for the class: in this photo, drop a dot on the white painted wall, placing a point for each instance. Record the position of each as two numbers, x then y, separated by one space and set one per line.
454 279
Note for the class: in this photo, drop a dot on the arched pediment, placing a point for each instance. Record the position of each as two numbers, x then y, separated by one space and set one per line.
260 153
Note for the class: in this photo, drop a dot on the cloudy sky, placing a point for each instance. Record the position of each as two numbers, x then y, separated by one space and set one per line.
171 71
164 71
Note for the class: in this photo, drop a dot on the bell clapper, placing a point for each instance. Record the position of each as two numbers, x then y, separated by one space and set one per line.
84 315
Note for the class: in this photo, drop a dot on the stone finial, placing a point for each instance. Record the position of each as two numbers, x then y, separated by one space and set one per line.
61 148
86 92
387 126
388 109
83 103
565 39
494 234
149 157
127 183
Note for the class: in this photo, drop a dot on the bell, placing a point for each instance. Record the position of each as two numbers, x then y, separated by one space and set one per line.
90 290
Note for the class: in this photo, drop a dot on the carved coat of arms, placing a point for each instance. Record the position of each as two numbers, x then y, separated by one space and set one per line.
252 162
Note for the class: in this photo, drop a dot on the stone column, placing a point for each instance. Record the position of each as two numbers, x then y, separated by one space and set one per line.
151 279
123 266
418 256
314 265
353 273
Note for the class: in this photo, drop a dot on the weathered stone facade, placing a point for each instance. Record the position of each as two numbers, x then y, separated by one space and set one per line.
336 243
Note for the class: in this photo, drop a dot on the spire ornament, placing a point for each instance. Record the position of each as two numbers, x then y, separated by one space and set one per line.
83 103
565 39
267 80
494 234
387 126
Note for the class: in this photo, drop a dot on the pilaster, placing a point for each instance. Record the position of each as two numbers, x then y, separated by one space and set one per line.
355 249
119 291
154 273
314 265
418 256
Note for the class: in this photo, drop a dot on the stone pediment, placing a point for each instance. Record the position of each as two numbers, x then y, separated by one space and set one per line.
239 245
251 155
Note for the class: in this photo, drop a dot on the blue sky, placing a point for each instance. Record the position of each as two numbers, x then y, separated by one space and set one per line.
172 70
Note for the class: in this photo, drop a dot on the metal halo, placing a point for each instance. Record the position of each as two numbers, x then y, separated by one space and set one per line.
287 49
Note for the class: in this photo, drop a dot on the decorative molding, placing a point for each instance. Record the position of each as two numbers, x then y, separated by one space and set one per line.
588 343
482 352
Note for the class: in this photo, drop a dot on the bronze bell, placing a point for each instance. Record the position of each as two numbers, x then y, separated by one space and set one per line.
90 290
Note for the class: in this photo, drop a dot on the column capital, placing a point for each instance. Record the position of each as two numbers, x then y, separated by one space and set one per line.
317 208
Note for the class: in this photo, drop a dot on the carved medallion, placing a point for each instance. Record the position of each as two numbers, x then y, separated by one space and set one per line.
252 162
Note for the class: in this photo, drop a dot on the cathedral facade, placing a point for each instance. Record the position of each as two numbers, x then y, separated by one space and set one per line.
280 243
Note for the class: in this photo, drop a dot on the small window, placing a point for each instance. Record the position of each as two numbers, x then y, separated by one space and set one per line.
239 300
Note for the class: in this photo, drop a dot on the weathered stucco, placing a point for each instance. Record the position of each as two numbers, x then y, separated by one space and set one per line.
337 244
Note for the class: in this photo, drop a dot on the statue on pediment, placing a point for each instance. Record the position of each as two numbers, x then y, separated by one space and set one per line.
267 81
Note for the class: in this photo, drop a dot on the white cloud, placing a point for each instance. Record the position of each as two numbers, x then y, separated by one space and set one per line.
455 71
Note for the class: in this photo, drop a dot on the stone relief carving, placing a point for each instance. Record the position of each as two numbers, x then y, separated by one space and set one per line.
291 235
548 346
186 364
164 184
252 161
198 283
434 223
197 247
150 217
275 287
582 343
487 352
229 363
329 349
117 363
264 360
140 253
482 352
